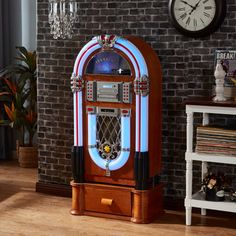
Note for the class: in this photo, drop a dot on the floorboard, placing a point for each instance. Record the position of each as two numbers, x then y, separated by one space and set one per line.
25 212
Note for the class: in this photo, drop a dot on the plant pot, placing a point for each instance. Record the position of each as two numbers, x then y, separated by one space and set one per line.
28 157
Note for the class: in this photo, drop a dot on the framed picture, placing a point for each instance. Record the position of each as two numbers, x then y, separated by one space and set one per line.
228 60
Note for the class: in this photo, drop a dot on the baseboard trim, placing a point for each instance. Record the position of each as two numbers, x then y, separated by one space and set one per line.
60 190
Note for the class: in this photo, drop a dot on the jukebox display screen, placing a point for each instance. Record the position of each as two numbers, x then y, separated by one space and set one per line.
108 63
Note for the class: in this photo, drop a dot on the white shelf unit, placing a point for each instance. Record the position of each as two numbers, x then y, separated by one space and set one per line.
197 199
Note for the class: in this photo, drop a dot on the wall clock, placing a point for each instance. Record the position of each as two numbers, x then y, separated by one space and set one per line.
197 18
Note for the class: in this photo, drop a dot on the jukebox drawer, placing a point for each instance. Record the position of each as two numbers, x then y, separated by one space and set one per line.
107 199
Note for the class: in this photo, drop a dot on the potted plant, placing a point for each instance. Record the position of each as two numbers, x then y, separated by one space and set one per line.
18 96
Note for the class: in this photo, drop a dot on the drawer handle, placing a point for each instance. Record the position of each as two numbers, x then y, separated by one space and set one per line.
106 201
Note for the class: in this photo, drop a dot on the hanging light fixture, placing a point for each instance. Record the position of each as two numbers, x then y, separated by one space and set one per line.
62 16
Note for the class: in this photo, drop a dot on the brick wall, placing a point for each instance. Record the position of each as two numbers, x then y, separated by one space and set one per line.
187 71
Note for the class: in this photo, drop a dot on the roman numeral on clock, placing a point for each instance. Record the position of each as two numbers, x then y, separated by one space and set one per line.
208 7
183 16
195 23
206 14
188 21
202 21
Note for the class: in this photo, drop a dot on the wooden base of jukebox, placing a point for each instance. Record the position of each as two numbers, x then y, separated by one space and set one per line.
116 157
115 202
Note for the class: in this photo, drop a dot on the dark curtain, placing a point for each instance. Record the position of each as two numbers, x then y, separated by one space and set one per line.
5 133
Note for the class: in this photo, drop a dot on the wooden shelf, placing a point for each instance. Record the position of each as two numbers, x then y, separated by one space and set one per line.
207 101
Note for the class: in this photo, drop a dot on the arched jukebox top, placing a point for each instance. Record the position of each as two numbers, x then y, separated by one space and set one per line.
116 85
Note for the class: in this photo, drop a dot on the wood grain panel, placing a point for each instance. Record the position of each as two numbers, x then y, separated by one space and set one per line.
121 199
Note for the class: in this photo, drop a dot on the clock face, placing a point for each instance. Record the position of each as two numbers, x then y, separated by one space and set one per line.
194 15
197 17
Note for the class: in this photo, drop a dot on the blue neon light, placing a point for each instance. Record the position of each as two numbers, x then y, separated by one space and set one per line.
125 144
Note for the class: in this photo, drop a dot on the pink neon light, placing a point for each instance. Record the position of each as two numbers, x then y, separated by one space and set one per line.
77 121
139 108
139 125
77 66
77 99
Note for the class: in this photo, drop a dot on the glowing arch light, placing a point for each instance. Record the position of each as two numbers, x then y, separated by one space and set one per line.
142 102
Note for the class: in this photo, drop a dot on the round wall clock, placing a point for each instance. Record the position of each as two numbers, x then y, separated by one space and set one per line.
197 18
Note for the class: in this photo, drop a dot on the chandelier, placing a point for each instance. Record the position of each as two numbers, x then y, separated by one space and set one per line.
62 16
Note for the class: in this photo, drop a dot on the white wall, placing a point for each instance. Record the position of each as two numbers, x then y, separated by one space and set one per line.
28 24
14 21
22 24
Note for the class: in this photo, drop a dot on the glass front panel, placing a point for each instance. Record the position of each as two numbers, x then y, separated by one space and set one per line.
108 136
108 63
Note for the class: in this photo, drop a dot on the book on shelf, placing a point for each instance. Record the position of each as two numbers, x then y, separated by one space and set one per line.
216 140
215 132
216 143
227 58
216 151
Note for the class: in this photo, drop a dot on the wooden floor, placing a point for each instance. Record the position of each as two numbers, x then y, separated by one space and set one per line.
25 212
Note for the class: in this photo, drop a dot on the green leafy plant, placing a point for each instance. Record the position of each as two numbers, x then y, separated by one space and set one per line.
18 95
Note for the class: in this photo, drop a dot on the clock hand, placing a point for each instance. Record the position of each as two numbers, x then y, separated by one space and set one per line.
195 7
187 3
197 4
186 12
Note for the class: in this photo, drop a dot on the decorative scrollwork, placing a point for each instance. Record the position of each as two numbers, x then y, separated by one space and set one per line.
108 172
107 41
77 84
108 136
141 86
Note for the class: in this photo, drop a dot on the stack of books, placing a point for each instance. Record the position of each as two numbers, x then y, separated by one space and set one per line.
217 141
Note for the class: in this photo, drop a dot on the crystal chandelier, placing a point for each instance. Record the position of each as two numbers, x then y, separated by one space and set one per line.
62 16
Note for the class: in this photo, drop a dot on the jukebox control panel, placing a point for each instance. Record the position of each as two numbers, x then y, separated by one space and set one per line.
109 91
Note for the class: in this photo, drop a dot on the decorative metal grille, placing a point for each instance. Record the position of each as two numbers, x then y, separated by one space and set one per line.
108 136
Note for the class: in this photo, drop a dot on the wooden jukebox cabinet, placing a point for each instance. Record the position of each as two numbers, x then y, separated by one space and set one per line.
116 158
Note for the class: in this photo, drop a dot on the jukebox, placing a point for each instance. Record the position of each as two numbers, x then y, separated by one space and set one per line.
116 157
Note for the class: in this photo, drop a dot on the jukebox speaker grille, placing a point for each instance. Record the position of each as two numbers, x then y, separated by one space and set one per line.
108 136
